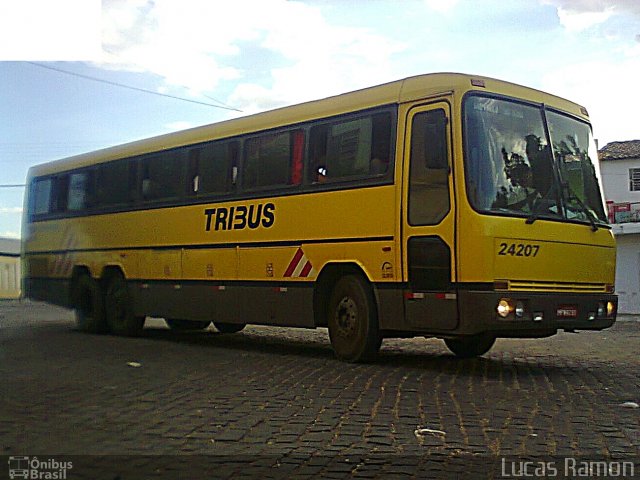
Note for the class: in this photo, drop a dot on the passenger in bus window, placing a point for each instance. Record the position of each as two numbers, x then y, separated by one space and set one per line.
378 166
321 174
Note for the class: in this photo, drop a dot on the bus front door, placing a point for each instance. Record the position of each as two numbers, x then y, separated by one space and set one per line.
429 220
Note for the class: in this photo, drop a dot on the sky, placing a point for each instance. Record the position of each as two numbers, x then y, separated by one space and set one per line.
80 75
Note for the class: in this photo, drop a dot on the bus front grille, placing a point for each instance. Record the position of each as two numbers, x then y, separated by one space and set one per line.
541 286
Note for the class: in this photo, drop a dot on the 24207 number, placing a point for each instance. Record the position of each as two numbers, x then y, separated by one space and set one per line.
519 249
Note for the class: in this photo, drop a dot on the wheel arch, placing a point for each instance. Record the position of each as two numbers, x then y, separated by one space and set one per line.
327 278
109 272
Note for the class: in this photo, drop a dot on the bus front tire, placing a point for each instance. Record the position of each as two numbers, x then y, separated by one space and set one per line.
224 327
89 306
185 325
353 320
471 346
119 309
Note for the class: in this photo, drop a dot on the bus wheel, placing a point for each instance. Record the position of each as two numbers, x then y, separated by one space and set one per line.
89 306
183 325
119 309
224 327
472 346
353 320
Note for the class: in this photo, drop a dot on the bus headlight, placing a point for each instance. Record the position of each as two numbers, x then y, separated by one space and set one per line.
504 308
601 310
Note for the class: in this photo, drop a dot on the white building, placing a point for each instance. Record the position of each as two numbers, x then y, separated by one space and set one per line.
9 268
620 168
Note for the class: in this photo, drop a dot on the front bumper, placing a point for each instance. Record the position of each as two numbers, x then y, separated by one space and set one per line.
543 313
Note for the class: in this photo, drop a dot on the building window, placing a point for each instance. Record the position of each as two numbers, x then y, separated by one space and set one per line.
634 179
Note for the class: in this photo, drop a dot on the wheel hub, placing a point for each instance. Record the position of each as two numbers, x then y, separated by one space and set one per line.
346 316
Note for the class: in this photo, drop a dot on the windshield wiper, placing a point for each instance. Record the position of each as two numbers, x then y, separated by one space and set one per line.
536 211
571 195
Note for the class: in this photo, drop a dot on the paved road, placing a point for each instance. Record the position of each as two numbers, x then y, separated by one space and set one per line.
274 403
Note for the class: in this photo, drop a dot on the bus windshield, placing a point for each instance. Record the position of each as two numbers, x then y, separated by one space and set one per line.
517 165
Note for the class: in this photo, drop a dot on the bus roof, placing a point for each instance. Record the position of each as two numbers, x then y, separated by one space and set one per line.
399 91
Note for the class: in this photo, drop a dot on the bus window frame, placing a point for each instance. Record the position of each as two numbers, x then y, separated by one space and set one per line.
447 144
279 187
178 155
354 181
33 195
194 171
89 193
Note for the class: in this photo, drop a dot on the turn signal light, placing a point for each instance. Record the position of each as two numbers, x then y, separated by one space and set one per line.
611 309
607 309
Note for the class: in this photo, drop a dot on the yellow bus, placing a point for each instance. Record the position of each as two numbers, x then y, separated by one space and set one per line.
443 205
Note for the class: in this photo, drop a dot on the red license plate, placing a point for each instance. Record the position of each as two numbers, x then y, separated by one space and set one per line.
567 311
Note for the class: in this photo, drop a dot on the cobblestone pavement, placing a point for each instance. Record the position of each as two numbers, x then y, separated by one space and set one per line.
275 403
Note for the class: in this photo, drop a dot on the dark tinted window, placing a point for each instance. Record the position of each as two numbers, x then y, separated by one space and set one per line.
274 159
211 168
429 169
114 183
60 193
162 176
350 149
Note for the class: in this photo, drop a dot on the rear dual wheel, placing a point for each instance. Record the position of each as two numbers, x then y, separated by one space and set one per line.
119 312
89 306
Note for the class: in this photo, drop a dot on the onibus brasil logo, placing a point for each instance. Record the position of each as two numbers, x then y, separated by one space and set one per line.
38 469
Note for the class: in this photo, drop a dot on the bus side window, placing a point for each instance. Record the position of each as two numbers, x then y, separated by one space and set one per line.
351 149
60 194
193 175
80 191
297 140
273 159
162 176
429 169
380 144
113 183
40 201
318 154
210 168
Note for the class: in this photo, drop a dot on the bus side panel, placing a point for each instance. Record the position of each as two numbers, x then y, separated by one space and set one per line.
272 305
200 301
231 272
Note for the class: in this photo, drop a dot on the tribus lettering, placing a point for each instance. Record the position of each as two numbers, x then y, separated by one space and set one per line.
240 217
